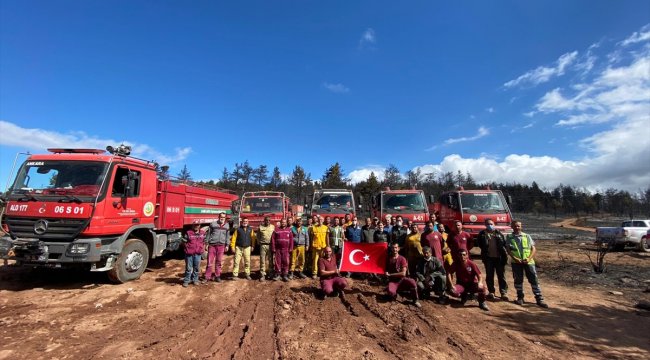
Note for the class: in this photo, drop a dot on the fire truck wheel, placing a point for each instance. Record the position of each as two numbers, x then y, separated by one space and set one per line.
131 263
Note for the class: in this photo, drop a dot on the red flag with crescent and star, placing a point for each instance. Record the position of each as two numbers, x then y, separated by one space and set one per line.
363 257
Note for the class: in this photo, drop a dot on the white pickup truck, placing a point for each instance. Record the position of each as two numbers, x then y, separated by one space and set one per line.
631 232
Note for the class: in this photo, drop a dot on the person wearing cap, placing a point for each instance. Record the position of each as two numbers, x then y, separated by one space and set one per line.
431 276
194 243
243 239
468 280
331 281
217 243
396 271
368 232
318 236
281 247
264 234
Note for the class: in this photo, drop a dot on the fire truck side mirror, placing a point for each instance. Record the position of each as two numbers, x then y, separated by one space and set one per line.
450 200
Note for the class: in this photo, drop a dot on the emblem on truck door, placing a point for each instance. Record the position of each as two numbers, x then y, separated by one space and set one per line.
148 209
40 227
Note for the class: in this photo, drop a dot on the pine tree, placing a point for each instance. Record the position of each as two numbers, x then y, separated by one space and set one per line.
184 175
333 178
392 177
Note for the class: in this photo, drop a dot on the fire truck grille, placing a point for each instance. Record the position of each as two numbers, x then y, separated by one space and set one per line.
45 229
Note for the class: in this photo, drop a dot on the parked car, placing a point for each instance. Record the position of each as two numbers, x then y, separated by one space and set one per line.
631 232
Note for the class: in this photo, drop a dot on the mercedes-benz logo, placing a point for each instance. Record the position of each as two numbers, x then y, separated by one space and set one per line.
40 227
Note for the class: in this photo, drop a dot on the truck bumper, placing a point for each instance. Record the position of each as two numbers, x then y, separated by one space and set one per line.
55 254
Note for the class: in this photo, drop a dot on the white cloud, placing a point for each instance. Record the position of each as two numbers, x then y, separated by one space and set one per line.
363 173
336 88
368 37
617 93
35 139
482 132
490 109
637 36
543 74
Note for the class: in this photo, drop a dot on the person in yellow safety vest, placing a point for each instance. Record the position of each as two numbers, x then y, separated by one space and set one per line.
521 248
318 236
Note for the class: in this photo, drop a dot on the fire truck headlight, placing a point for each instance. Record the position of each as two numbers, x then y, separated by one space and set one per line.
79 248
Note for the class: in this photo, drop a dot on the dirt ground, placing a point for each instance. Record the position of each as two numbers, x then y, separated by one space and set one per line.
47 314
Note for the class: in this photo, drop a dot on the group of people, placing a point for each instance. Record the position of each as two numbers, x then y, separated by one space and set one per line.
419 264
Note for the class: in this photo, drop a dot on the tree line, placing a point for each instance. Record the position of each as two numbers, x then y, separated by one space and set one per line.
561 200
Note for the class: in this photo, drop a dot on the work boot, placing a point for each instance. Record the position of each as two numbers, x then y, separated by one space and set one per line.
285 278
276 278
217 279
290 276
301 275
483 306
542 303
248 277
186 284
505 297
196 282
490 296
262 278
519 301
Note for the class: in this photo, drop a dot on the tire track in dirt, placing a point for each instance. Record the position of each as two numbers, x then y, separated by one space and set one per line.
359 326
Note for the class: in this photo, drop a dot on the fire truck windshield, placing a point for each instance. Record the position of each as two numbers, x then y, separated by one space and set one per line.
413 202
476 203
334 203
78 178
261 205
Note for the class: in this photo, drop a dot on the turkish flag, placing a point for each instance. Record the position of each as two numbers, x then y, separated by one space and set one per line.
363 257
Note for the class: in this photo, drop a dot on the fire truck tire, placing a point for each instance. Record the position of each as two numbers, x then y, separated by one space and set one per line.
131 263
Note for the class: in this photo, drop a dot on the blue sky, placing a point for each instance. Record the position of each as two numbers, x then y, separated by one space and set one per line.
553 91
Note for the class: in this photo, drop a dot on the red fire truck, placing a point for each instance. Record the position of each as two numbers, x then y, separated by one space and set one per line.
473 207
332 202
410 204
106 212
254 206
